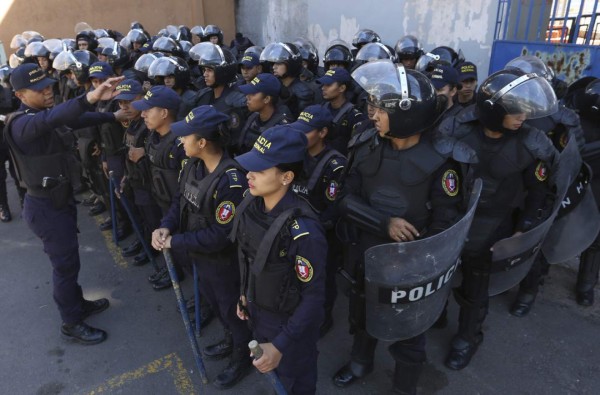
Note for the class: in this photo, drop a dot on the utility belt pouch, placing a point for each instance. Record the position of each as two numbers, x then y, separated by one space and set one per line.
60 191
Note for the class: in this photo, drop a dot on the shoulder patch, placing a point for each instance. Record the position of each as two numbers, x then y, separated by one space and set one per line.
541 171
225 212
332 190
298 229
450 183
336 164
235 178
304 270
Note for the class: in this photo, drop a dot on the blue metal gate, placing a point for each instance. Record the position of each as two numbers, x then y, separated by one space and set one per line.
563 33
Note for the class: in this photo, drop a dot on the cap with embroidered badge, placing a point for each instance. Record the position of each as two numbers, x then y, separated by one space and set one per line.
203 120
443 75
250 60
129 90
30 76
101 70
338 74
158 96
466 70
313 117
265 83
276 145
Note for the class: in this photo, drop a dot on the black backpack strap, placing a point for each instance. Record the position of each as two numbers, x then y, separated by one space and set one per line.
236 220
316 174
343 111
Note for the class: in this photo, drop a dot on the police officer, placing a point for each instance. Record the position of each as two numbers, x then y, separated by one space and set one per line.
513 164
43 159
137 176
262 97
445 81
198 222
335 85
287 66
282 251
362 38
219 67
250 67
467 77
409 50
320 184
586 101
159 109
400 187
338 54
174 73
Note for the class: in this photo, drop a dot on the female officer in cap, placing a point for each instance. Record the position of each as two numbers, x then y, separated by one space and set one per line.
198 222
283 251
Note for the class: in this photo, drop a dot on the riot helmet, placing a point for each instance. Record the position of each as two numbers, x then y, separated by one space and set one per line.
137 36
136 25
197 34
365 36
254 49
309 53
18 41
117 56
55 46
78 62
439 55
338 52
374 51
89 37
584 95
100 33
407 96
143 63
213 31
5 72
286 53
35 49
170 66
531 64
167 46
514 92
105 42
184 33
17 58
221 60
408 47
31 36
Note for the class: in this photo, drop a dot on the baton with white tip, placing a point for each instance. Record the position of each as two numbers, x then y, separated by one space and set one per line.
272 375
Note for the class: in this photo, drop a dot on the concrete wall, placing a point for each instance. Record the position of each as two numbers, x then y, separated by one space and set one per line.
57 18
465 24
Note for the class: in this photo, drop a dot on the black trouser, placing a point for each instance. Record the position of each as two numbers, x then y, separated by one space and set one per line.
4 156
529 286
589 265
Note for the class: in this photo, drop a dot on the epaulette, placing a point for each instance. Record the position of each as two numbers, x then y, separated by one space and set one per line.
335 164
361 138
236 99
457 150
298 228
235 178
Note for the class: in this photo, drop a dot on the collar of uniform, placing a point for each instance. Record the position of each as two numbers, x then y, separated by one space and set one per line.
286 202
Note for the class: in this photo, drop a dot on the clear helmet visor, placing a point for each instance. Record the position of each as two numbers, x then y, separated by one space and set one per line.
144 62
36 48
14 61
106 42
531 64
408 44
389 85
275 53
82 27
162 67
207 54
529 95
339 41
17 41
53 44
66 60
136 35
593 88
373 51
29 34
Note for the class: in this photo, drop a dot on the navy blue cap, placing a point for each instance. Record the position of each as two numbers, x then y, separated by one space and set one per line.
313 117
443 75
158 96
203 120
129 90
250 60
339 75
466 70
30 76
277 145
265 83
101 70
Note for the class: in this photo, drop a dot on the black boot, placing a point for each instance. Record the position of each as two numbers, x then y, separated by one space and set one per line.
361 360
82 333
238 367
522 304
5 213
587 276
221 349
406 377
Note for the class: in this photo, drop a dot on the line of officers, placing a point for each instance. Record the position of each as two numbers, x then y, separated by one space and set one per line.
265 192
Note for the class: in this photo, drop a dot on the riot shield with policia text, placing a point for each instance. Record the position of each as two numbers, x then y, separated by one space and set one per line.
513 256
407 284
578 220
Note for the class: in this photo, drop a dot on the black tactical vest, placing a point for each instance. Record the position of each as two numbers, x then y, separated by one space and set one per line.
195 209
164 179
306 187
252 129
111 133
139 174
267 273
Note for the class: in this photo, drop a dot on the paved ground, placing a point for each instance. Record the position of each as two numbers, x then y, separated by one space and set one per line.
555 350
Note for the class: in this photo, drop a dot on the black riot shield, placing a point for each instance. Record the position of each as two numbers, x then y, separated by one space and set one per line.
512 257
407 284
578 220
